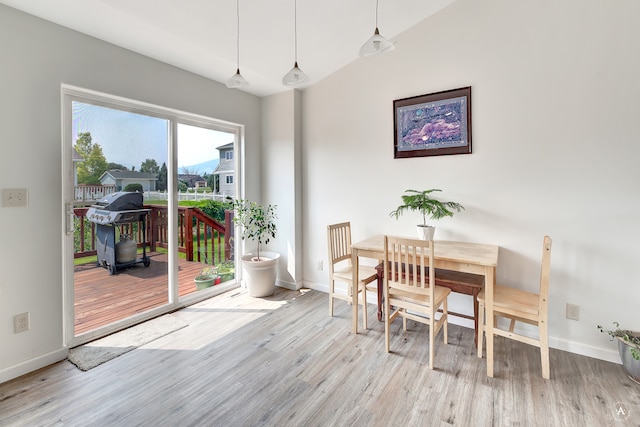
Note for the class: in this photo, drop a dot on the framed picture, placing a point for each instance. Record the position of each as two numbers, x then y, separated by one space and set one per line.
433 125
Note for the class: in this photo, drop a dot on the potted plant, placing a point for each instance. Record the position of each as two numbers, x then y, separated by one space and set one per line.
206 278
422 202
257 223
226 271
629 349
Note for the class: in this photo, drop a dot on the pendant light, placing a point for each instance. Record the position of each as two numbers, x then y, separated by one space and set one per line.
237 81
295 76
376 44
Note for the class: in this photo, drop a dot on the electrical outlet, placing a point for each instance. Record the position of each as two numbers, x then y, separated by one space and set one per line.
573 311
320 265
14 198
21 322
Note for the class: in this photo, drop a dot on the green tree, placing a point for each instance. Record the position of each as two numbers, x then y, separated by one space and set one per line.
95 163
162 178
188 171
150 166
116 166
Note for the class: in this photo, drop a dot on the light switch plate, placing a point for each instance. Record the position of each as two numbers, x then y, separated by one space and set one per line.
16 197
573 311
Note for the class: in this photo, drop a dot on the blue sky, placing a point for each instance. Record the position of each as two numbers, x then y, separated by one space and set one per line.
129 138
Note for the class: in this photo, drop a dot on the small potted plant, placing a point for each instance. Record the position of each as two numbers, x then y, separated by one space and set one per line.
206 278
226 271
257 223
629 349
422 202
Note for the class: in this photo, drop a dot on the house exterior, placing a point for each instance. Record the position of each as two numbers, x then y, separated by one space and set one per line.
225 171
123 178
192 181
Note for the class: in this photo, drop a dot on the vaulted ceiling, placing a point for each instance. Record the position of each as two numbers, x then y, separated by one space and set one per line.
200 35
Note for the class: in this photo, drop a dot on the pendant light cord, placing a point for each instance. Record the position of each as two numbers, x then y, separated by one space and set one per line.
377 1
238 35
295 30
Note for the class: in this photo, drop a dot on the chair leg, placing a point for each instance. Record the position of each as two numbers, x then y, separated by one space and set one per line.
480 328
490 343
445 330
364 306
387 313
544 348
331 291
432 337
404 321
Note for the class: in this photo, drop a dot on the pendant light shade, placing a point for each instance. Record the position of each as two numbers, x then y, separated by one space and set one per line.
376 44
237 81
295 76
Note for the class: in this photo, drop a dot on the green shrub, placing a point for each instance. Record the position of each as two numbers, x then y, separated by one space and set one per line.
133 187
214 208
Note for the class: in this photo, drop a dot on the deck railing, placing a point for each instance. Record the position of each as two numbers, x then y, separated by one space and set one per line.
200 237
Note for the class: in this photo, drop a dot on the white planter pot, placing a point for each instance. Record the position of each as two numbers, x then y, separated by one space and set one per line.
260 275
426 232
630 365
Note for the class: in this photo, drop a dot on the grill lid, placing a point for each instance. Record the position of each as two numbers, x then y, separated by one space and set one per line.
120 201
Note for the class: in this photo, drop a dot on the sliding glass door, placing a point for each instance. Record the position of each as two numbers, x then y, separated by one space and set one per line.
147 227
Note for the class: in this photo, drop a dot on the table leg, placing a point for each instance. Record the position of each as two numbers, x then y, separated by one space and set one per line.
354 289
476 291
380 292
489 281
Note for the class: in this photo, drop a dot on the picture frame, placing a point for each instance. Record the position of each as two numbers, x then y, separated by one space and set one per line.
433 125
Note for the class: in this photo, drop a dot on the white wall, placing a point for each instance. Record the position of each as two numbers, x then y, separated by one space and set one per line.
37 57
555 99
281 153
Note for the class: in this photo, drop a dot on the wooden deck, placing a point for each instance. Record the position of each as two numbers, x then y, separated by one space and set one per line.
101 299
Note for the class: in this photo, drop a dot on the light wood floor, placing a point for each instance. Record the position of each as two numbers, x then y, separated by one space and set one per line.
282 361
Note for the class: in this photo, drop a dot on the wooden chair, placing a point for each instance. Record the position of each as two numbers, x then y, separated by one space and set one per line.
411 293
521 306
340 268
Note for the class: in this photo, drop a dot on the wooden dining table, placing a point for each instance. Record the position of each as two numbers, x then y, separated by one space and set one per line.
476 258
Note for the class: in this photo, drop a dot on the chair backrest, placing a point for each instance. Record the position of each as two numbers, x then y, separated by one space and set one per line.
405 261
545 273
339 243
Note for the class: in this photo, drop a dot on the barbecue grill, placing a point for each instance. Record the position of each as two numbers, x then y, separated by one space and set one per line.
109 214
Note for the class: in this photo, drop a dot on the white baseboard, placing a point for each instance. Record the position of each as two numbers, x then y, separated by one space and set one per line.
33 364
322 287
292 286
585 350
